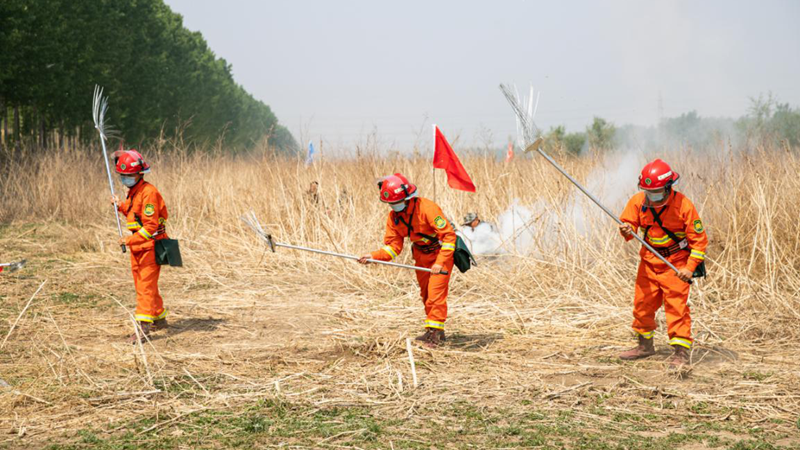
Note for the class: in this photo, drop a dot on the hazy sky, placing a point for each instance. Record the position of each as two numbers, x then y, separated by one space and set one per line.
343 69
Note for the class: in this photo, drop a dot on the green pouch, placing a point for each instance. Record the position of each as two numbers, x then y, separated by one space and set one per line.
462 257
168 252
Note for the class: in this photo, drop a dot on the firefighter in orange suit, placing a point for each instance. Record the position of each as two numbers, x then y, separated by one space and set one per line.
433 240
146 218
672 226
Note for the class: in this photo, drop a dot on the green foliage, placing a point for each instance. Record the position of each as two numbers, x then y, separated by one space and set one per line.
159 76
768 120
557 139
600 134
574 142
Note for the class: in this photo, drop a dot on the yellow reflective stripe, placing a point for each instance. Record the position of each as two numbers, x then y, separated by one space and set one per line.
661 240
647 335
162 315
144 318
697 254
145 234
434 324
133 226
664 239
388 249
448 246
682 342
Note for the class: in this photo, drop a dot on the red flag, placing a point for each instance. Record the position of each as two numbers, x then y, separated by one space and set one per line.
510 152
445 158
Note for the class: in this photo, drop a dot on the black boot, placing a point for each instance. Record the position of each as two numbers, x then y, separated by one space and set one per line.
643 350
144 329
425 336
436 338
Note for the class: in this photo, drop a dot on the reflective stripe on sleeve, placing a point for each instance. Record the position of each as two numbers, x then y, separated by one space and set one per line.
145 234
388 249
697 254
447 246
133 226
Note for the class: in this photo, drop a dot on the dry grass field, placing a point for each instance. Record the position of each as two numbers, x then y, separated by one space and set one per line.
296 350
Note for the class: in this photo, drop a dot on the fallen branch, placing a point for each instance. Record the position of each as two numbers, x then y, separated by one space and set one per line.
411 361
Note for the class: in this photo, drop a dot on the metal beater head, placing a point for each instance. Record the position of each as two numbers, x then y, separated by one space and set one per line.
252 221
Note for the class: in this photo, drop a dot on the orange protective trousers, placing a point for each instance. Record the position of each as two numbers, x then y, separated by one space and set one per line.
149 304
657 285
433 288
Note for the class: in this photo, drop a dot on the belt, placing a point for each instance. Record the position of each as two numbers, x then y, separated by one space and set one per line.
427 249
671 250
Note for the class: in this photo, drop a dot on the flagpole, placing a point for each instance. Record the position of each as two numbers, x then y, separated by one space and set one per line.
434 166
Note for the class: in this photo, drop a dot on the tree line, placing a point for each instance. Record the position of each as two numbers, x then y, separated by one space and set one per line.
162 79
767 121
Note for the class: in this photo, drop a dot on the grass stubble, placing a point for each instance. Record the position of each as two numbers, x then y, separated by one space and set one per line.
301 351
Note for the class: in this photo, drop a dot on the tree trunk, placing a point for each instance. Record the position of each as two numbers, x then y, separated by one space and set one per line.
43 132
4 131
16 127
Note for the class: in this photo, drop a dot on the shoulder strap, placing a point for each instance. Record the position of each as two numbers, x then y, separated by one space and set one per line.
657 217
398 218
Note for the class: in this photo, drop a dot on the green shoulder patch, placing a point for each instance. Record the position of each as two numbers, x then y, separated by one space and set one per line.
698 226
149 209
439 222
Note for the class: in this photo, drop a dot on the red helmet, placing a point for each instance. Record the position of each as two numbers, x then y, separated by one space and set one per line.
130 162
657 175
396 188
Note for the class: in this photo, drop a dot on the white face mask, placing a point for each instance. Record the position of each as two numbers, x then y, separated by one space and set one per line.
128 181
656 197
398 207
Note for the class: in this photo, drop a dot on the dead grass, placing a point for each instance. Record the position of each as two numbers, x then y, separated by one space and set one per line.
532 339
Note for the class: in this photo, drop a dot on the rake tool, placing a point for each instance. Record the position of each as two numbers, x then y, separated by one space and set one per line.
252 221
99 108
12 267
528 130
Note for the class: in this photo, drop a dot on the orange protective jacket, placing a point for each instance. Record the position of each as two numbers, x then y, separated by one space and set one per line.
146 216
679 216
426 218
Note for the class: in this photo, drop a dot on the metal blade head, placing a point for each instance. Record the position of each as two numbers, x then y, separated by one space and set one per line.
13 267
535 146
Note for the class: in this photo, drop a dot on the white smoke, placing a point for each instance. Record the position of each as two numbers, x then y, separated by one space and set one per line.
482 240
541 227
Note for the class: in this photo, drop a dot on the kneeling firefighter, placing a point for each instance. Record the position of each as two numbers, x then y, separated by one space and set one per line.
673 228
433 240
146 217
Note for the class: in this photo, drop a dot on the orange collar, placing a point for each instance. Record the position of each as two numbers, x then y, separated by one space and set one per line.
136 188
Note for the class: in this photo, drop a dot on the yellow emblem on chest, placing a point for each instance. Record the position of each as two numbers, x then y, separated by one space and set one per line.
149 209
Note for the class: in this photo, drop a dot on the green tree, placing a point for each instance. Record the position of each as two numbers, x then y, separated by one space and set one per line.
157 74
600 134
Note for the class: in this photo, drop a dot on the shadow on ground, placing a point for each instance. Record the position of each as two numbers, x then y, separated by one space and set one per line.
191 324
472 341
